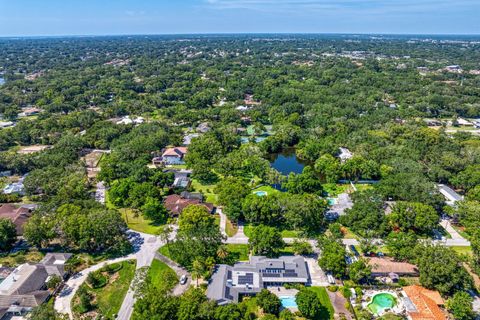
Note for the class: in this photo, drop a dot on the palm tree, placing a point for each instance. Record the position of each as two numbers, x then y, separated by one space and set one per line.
222 252
197 270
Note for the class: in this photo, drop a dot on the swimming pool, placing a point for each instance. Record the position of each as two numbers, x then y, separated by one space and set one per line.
261 193
380 302
288 302
332 201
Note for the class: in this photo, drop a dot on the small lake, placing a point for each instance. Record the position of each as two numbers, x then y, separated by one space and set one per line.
287 162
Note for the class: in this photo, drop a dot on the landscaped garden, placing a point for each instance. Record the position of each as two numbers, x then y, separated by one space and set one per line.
104 290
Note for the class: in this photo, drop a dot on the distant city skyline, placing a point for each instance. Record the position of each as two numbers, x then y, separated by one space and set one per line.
129 17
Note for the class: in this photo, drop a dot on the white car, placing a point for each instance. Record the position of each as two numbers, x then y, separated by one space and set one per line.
183 280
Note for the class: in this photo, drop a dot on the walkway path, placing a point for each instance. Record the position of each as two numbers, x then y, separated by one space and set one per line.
456 237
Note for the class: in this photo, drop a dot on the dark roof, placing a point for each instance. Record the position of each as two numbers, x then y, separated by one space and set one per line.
176 204
17 215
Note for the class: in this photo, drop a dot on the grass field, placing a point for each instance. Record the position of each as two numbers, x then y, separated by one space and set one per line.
109 298
162 276
206 190
328 312
139 223
267 189
463 250
230 228
164 251
238 251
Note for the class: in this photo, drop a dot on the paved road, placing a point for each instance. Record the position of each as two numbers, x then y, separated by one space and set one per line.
145 258
148 246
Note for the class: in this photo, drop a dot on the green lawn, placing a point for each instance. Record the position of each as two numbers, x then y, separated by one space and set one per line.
109 298
267 189
139 223
164 251
334 189
239 252
162 276
463 250
230 228
322 295
206 190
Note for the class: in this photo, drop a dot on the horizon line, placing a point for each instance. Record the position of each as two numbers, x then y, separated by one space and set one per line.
233 34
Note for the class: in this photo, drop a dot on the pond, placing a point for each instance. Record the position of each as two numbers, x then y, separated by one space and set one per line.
287 162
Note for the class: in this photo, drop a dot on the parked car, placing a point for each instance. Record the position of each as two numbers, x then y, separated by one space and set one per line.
183 279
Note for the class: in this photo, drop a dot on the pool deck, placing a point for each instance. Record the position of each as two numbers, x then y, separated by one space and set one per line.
282 292
398 309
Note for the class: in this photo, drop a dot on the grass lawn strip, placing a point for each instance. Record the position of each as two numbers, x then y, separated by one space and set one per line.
162 276
322 295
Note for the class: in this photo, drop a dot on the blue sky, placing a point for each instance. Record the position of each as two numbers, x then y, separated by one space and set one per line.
105 17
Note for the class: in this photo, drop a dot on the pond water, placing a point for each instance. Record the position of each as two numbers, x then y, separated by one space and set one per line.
287 162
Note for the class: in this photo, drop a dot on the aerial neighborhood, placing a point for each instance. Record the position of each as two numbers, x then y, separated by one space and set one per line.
240 177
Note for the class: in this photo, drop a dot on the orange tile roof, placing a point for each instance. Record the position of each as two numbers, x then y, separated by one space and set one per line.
426 302
177 152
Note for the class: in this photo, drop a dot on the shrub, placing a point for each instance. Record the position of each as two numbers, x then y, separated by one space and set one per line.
333 288
96 279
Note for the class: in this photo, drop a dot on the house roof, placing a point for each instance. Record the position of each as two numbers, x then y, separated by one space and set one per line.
388 265
425 303
176 204
175 152
17 215
228 283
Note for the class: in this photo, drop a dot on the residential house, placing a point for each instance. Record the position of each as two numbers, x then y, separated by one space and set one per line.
6 124
18 215
203 127
423 304
175 203
345 154
231 283
171 156
450 195
33 149
187 139
25 287
385 267
181 178
30 111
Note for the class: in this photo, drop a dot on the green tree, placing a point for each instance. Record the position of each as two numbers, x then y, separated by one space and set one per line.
302 247
441 269
306 182
269 302
359 270
154 210
401 245
308 304
412 216
266 241
460 306
231 193
8 234
333 256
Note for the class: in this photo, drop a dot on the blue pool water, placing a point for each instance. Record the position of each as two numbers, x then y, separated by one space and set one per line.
261 193
331 201
288 302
